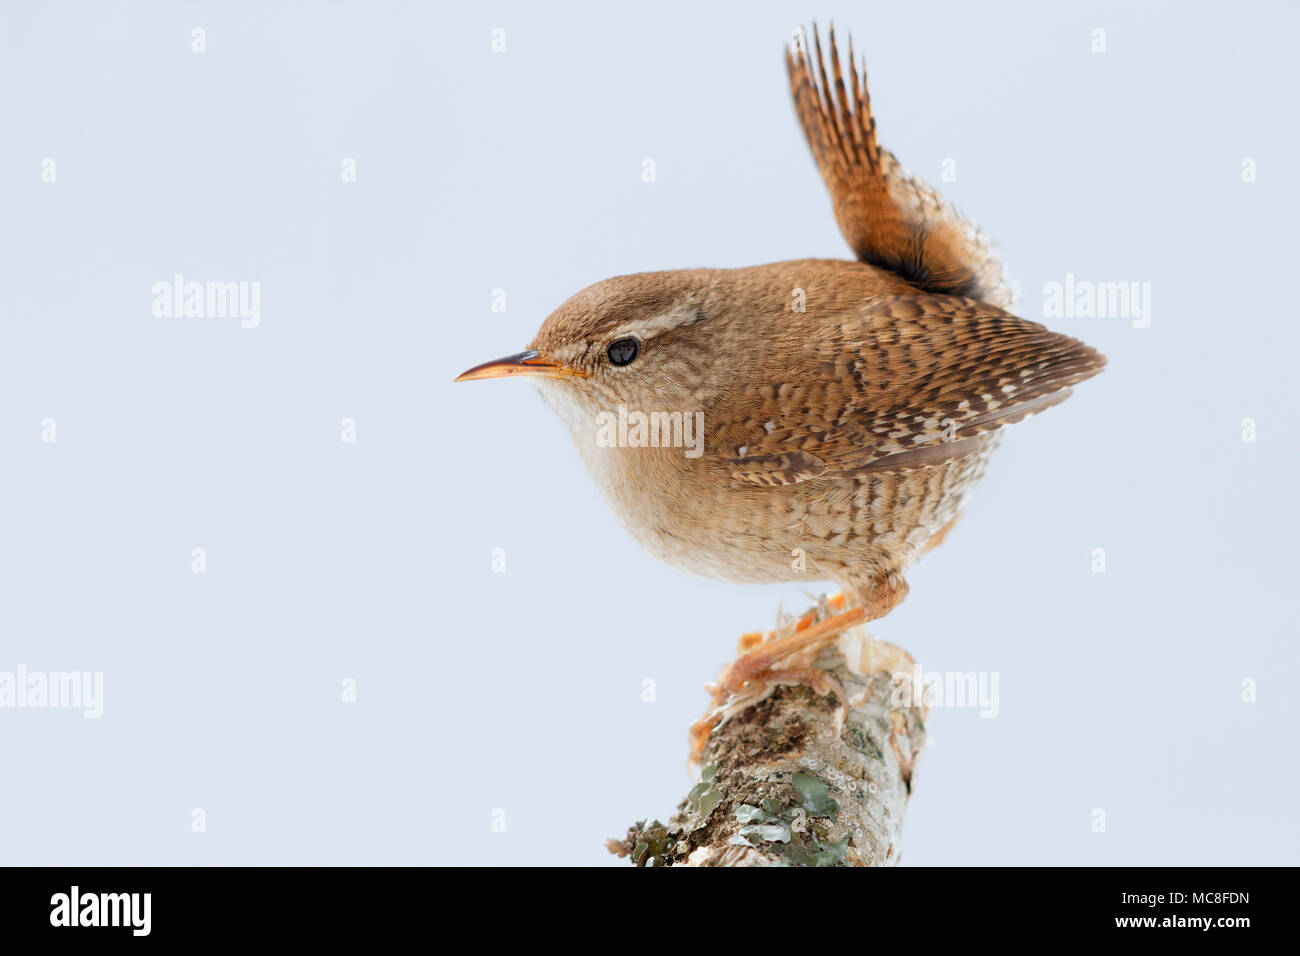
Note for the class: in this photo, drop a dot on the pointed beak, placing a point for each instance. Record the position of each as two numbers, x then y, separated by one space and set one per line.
528 363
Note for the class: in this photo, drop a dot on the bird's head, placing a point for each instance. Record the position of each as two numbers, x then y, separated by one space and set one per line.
643 341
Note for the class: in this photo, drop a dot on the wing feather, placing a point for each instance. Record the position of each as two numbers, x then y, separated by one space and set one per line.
910 382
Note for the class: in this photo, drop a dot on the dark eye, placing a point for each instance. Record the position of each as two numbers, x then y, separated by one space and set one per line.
623 351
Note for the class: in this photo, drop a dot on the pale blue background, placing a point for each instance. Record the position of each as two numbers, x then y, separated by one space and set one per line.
522 690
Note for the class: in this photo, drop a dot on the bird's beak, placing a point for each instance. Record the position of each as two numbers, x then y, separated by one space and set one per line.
528 363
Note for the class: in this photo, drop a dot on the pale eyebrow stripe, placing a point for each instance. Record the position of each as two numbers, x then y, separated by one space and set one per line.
660 323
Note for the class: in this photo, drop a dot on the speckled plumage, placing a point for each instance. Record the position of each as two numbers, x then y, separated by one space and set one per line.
848 407
849 434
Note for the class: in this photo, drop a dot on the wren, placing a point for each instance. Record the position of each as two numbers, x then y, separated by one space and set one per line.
848 407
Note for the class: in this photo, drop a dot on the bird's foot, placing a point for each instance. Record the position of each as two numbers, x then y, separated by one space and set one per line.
786 625
820 681
758 663
758 670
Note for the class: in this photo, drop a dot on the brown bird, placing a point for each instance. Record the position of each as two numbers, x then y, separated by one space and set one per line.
806 420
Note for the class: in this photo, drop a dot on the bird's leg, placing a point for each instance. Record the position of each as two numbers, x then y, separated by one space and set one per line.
759 662
756 665
759 665
752 639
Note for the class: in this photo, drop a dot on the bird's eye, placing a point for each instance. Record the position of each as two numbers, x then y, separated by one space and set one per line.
623 351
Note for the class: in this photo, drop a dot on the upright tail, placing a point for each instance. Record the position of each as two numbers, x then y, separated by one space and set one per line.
890 219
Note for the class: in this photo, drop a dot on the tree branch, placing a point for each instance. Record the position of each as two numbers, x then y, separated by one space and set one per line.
788 780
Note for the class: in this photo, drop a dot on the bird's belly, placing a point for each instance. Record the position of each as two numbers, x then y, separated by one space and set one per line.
810 531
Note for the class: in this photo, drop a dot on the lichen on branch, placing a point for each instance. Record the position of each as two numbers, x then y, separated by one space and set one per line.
790 779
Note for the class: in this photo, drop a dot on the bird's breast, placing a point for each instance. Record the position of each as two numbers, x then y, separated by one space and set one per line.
691 513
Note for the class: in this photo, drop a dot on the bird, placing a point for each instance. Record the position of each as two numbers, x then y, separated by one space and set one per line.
806 420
